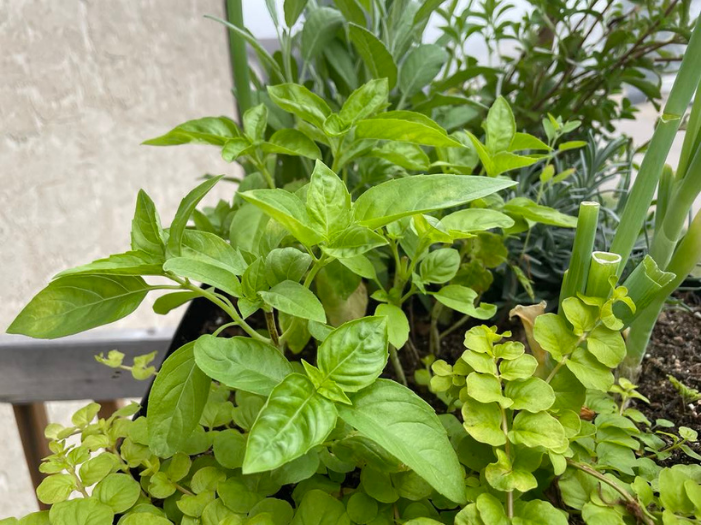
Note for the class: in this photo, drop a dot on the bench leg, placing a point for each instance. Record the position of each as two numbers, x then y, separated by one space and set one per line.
107 408
31 421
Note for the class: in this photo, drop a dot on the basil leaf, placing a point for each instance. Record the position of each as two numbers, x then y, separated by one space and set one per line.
182 216
292 142
328 200
283 264
298 100
236 148
76 303
176 402
475 220
462 299
209 130
390 127
294 419
129 263
211 248
353 241
440 266
293 8
374 53
255 120
408 156
365 101
241 363
171 301
146 231
399 198
355 353
500 126
420 67
397 324
526 208
294 299
408 428
205 272
288 209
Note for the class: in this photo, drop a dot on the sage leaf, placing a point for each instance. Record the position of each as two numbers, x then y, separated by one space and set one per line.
397 198
241 363
294 419
320 27
408 428
176 402
204 272
462 299
289 210
298 100
292 142
182 216
375 55
355 353
294 299
365 101
76 303
209 130
146 231
420 67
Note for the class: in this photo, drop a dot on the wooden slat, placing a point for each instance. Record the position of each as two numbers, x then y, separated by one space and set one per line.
65 369
31 421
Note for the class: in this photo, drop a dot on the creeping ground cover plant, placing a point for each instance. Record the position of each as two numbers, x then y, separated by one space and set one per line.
358 373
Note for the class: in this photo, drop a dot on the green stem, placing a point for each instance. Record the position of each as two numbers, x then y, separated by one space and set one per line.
224 327
577 273
641 195
272 328
603 266
239 57
397 365
507 450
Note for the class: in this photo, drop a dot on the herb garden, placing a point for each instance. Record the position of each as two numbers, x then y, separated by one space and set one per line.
431 294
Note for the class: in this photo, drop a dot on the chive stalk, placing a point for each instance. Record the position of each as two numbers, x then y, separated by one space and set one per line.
641 195
587 223
239 57
604 265
644 284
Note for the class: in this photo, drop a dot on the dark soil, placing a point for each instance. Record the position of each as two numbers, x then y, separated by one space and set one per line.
675 350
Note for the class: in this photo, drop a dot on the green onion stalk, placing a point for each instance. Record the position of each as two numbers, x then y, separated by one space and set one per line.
239 57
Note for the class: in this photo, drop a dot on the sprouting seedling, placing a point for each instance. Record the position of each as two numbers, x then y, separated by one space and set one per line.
140 369
688 394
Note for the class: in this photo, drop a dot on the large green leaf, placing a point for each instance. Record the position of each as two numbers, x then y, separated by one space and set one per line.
292 142
462 299
209 130
526 208
294 299
182 216
299 100
365 101
176 402
420 67
374 53
405 154
353 241
500 126
286 264
293 8
76 303
211 248
391 126
538 430
475 220
205 272
355 353
295 419
129 263
320 508
440 266
146 234
409 429
289 210
399 198
320 27
242 363
81 511
328 200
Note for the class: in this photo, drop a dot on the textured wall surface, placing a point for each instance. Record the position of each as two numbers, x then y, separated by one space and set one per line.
82 83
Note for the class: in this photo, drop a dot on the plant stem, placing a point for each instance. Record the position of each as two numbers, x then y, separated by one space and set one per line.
630 500
272 328
397 365
640 197
603 266
507 450
224 327
239 57
577 273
